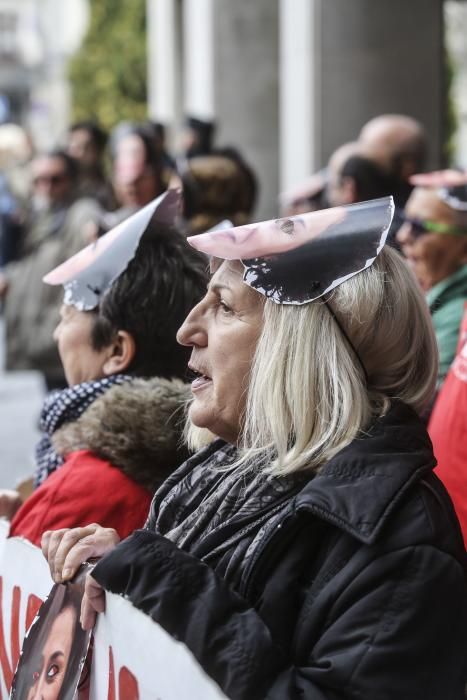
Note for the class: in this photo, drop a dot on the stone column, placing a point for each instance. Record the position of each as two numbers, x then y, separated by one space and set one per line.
164 61
377 57
246 88
288 81
299 113
198 58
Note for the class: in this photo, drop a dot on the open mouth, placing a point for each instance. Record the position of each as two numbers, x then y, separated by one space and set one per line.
200 380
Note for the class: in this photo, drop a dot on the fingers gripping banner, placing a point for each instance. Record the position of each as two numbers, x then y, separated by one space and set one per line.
130 657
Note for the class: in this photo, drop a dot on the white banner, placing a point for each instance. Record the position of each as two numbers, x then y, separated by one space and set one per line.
24 583
133 658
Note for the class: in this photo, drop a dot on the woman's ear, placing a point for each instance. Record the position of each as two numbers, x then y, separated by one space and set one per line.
121 355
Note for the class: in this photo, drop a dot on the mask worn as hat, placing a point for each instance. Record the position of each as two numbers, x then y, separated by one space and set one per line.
90 273
299 259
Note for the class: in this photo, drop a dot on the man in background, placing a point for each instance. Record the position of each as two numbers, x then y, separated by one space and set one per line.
86 145
433 239
353 177
54 230
398 144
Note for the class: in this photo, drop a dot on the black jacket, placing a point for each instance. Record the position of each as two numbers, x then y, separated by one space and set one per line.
359 592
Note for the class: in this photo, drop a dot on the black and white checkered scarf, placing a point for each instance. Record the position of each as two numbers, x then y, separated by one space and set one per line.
65 406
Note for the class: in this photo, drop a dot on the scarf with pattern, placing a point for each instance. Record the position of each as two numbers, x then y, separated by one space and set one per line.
65 406
219 515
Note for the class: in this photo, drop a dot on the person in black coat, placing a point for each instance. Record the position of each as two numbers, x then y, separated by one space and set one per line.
308 551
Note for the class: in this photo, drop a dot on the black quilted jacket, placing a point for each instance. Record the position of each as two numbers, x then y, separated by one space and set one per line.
359 592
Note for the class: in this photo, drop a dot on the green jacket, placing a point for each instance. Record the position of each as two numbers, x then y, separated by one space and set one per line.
446 301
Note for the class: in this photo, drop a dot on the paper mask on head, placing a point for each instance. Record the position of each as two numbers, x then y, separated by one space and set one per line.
451 185
298 259
455 196
89 274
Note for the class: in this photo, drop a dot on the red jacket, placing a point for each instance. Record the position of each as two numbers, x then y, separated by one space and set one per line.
448 431
117 453
86 489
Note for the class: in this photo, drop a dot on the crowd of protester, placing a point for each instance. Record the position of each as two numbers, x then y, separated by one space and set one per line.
88 186
297 515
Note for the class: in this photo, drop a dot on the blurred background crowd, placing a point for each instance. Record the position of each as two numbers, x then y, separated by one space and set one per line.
255 109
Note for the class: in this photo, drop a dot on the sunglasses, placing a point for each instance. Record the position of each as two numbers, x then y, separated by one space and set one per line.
56 179
420 227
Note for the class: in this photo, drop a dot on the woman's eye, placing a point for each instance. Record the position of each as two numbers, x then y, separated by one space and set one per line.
225 308
52 671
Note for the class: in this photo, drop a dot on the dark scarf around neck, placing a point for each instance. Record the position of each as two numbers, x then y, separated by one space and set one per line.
62 407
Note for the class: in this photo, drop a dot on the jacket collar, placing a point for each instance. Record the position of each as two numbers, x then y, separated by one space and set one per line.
453 286
359 487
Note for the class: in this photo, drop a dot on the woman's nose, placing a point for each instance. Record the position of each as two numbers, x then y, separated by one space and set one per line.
192 331
37 693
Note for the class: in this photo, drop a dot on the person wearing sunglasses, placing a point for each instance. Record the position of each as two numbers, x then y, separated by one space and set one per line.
433 239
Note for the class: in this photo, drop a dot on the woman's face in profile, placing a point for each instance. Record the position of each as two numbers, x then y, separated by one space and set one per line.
48 676
81 362
222 330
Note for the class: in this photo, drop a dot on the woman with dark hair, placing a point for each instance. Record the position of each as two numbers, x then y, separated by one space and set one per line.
54 650
113 435
308 551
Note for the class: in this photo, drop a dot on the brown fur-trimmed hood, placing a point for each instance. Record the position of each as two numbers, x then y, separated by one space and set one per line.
136 426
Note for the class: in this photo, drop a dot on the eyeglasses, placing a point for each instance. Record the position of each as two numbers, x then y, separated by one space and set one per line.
55 179
420 227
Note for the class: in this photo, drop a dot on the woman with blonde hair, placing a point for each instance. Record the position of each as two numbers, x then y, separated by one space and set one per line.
308 551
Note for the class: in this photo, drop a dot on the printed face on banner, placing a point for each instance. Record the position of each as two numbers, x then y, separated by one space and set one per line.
51 663
54 659
54 649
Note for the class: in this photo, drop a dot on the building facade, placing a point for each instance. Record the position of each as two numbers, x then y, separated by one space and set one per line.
36 39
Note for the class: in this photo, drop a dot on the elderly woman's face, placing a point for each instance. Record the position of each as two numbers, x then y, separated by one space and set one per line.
81 362
223 330
432 256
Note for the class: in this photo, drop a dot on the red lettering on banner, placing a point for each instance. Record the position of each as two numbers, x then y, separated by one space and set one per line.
34 603
111 690
16 634
14 629
127 685
7 671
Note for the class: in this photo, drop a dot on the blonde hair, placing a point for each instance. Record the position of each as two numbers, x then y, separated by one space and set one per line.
308 395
